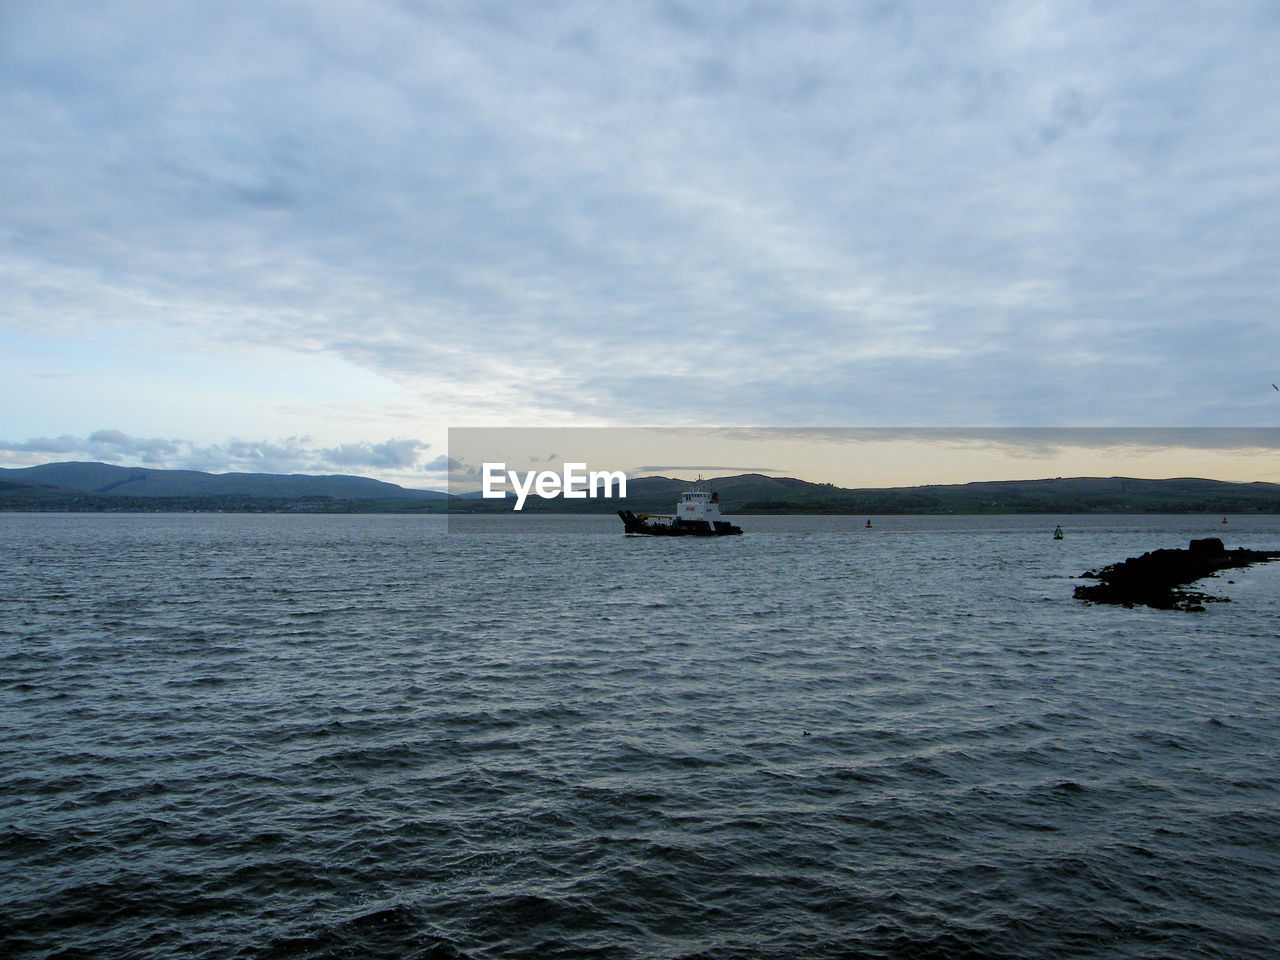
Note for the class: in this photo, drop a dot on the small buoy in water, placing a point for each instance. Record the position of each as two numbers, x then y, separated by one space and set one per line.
1224 519
868 524
1057 533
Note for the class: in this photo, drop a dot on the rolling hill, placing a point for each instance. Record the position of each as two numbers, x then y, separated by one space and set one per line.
103 487
103 478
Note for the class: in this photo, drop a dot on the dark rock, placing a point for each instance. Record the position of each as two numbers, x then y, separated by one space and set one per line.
1154 578
1208 547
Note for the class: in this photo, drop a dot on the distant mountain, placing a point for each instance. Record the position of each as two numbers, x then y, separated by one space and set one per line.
1058 495
100 486
104 479
755 493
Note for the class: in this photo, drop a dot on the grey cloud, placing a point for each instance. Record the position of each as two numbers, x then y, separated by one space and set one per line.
1070 111
816 213
399 454
1030 441
62 444
116 437
454 469
286 455
683 16
150 450
106 445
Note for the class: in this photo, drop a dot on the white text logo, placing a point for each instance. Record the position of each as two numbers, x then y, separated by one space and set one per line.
575 483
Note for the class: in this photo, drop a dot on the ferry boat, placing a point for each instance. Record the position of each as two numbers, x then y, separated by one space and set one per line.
697 515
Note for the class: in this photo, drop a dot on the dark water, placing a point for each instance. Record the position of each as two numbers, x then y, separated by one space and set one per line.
230 736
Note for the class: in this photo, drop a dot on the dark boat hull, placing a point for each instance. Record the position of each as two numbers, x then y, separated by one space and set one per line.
636 526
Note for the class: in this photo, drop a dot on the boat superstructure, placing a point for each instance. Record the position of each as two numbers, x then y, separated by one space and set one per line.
697 514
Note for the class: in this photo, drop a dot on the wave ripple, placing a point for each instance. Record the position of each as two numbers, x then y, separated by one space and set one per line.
260 737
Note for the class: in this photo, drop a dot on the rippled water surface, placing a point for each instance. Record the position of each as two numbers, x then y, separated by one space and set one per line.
280 736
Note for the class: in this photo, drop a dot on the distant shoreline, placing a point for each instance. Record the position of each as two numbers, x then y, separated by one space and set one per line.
433 509
106 488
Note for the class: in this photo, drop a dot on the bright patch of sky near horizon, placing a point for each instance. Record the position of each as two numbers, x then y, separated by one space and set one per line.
307 230
877 457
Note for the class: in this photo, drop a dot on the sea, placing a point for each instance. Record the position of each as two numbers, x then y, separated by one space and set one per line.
280 736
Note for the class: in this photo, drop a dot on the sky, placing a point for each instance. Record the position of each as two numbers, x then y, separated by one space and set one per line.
867 456
315 236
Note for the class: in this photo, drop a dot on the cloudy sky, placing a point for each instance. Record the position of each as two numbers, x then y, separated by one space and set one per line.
315 235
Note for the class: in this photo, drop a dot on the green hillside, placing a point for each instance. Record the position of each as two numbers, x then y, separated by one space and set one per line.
104 487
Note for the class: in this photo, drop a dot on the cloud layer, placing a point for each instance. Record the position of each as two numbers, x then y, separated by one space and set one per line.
775 213
399 457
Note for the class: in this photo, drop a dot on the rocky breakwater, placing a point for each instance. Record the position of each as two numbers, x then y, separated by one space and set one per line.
1155 579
